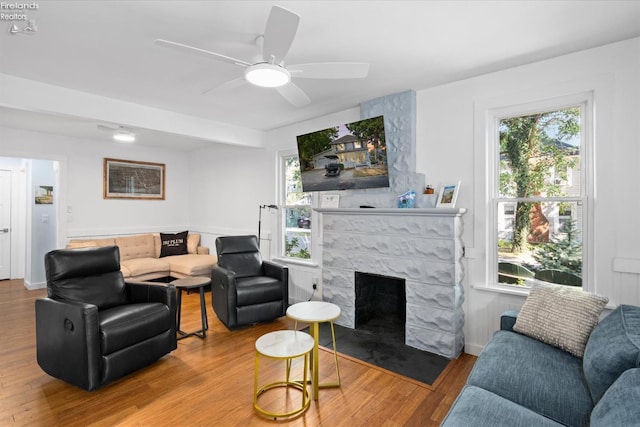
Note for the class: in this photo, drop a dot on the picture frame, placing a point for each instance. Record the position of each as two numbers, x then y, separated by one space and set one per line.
330 201
407 200
43 195
448 195
128 179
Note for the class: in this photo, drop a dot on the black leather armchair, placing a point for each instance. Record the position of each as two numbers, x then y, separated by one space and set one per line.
245 289
93 327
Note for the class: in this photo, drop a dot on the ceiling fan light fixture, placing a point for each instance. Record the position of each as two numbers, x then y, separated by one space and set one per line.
124 136
267 75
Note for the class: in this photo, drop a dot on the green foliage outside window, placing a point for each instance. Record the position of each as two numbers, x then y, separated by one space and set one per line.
296 213
563 252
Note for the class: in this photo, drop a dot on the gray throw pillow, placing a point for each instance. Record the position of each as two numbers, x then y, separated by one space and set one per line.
560 316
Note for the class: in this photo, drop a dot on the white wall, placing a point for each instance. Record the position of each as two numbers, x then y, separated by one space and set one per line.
44 218
450 140
228 185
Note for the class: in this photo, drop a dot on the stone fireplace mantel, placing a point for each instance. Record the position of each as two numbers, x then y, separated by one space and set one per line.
395 211
422 246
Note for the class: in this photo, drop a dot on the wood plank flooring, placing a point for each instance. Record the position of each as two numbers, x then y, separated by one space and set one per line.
205 382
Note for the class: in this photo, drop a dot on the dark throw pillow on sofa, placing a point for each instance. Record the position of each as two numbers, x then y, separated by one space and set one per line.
173 244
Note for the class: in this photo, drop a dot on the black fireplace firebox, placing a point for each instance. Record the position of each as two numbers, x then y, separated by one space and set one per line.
380 303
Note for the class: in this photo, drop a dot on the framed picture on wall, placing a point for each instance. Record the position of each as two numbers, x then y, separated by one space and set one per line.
448 195
127 179
43 195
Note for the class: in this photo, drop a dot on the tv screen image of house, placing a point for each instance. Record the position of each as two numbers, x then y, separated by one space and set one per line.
344 157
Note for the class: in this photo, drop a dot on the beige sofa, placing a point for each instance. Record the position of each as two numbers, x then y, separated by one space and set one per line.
140 256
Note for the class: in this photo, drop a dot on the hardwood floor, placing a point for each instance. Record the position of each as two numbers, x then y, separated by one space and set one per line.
205 382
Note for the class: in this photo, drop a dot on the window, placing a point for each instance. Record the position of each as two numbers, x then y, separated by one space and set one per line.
539 195
296 211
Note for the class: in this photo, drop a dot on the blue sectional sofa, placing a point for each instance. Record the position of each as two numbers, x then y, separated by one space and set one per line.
520 381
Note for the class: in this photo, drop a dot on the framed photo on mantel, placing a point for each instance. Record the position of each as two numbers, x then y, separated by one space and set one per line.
330 201
448 195
127 179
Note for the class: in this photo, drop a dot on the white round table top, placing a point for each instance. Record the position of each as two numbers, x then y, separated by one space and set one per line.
313 311
283 344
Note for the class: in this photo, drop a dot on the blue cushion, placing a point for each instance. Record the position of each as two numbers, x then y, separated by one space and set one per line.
613 347
619 406
508 320
540 377
479 408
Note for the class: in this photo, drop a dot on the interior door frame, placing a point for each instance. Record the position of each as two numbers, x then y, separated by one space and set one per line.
21 215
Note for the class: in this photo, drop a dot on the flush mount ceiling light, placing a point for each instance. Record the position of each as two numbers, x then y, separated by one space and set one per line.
124 135
119 133
267 75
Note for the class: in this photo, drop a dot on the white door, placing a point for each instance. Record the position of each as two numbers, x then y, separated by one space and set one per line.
5 225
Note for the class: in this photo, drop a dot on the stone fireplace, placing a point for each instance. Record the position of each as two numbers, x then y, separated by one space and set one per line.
422 247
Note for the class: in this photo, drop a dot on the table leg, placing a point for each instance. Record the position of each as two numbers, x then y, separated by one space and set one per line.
315 369
203 313
179 311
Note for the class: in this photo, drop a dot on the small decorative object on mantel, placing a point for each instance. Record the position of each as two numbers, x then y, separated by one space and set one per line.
429 190
448 196
407 200
330 201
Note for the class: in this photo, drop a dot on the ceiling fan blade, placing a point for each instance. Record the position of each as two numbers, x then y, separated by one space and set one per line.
205 53
279 33
107 128
330 70
294 95
231 84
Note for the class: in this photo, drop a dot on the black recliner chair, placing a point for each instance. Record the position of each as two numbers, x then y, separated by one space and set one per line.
93 327
245 289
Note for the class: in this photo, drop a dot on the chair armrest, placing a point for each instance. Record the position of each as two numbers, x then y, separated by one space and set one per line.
274 270
281 273
222 275
202 250
151 292
508 320
223 295
68 341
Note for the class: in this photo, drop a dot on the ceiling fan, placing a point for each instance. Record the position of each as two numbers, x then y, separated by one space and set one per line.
270 70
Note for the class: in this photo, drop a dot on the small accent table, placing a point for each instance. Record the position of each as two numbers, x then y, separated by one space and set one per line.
189 283
314 313
283 345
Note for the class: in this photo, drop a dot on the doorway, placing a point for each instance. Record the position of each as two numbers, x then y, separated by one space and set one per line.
31 221
5 224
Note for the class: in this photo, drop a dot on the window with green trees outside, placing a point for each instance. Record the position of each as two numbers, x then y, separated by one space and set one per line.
540 198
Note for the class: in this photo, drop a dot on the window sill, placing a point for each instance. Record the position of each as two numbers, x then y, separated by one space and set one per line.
293 261
502 289
523 292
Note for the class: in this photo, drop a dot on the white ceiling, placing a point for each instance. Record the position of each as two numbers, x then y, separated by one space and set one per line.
107 48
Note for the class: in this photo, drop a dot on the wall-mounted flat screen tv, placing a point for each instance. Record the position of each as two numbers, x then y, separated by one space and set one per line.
344 157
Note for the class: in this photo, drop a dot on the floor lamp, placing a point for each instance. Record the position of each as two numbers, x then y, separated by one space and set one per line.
260 218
